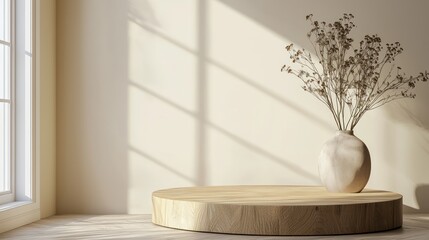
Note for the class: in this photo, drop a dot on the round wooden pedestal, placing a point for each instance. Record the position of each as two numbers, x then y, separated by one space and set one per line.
276 210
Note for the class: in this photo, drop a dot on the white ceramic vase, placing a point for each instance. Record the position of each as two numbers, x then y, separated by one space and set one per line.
344 163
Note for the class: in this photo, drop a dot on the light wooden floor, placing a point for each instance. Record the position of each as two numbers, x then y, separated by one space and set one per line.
140 227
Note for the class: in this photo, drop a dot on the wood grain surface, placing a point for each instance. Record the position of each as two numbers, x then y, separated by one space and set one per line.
276 210
136 227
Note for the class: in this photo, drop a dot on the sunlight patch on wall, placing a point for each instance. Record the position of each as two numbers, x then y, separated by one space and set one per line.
262 112
161 65
145 177
253 51
177 19
162 71
233 160
271 126
161 146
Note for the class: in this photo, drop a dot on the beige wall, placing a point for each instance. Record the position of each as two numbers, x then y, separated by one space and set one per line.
46 56
159 94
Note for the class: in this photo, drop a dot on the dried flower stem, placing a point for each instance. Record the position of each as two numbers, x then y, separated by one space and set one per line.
347 79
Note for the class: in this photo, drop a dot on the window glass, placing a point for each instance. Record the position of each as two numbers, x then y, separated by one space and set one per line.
4 147
5 20
4 72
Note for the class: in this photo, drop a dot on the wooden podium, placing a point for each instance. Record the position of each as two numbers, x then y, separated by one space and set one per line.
276 210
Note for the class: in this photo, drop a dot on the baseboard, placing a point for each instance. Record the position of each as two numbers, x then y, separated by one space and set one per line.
19 220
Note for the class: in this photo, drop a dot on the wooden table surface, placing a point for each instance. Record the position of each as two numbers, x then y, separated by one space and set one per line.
136 227
276 210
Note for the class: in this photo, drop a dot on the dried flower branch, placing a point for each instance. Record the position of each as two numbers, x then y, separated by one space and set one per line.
348 80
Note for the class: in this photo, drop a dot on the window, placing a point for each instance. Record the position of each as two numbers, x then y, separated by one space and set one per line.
16 101
19 103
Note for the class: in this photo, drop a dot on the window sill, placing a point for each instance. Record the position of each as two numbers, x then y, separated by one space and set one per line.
16 214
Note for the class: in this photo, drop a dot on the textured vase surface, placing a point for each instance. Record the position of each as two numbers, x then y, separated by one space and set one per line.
344 163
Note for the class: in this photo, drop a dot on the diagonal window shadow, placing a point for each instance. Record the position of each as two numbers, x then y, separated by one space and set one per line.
283 162
161 164
288 164
201 113
267 92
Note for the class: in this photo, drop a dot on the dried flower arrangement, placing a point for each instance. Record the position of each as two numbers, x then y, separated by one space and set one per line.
348 80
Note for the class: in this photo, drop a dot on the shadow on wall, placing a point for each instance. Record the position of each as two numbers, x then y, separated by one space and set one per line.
422 197
411 148
92 174
278 15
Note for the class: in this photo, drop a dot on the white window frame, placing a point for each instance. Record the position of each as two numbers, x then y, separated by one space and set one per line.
24 210
9 196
